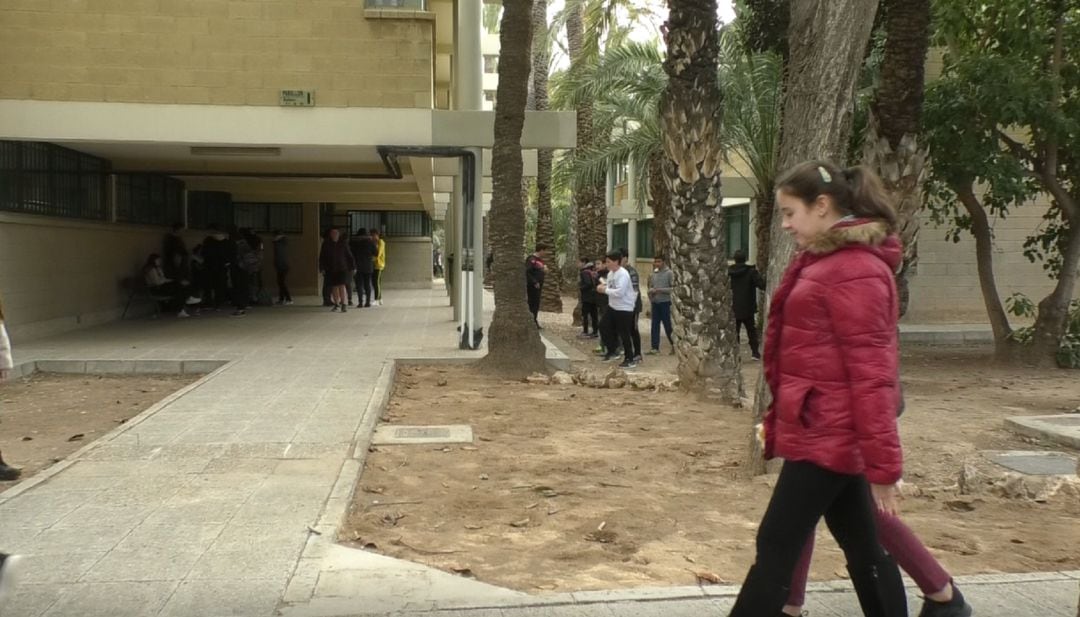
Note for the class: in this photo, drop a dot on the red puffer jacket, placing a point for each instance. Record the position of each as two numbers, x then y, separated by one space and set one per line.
831 355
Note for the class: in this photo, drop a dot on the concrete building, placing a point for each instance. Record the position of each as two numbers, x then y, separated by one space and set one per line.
119 117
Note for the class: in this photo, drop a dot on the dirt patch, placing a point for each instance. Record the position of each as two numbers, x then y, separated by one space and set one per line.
569 488
47 416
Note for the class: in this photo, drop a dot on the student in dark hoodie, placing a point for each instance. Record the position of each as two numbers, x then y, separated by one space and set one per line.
216 259
281 266
635 278
587 282
745 283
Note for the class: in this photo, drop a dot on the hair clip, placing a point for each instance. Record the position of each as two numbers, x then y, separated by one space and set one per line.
826 177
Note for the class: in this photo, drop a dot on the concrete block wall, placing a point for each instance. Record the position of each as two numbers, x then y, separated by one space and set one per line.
408 263
945 288
61 274
221 52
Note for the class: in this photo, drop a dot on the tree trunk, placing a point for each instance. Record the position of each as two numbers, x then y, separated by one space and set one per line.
764 206
551 299
891 145
1004 346
514 347
827 41
589 204
690 120
1052 320
660 203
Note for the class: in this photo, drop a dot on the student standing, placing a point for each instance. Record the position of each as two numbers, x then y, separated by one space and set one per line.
176 254
660 285
217 259
363 250
535 271
336 261
380 263
587 282
635 278
281 266
831 364
621 301
745 283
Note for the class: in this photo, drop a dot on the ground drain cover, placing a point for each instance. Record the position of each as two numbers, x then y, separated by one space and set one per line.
1035 463
391 434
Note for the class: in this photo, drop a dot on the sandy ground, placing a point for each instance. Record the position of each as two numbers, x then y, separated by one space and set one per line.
568 488
46 417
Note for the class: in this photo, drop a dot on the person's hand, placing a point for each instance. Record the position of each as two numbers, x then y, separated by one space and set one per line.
601 288
536 285
886 497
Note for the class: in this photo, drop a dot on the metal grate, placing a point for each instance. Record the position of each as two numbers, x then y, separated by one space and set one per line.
149 199
49 180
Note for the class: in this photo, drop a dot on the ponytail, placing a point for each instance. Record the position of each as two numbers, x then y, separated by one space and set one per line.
856 191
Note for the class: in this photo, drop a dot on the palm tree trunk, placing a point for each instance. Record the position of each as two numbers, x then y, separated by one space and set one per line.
891 147
764 205
827 41
660 203
589 204
551 300
690 120
515 347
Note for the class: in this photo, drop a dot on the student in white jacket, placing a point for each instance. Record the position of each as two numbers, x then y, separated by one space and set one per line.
8 563
621 301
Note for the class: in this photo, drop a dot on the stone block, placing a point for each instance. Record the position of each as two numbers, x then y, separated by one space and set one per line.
62 366
389 434
158 367
1060 428
980 475
110 367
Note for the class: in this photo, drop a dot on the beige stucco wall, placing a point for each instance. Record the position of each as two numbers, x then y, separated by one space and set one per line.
58 275
224 52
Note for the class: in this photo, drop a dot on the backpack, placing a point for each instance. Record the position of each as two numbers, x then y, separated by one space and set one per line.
249 259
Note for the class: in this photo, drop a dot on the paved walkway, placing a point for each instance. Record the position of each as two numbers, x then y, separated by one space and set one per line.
224 499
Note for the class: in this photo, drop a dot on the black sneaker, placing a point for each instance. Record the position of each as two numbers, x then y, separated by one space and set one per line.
343 308
638 359
609 357
335 309
9 573
957 607
9 473
628 365
239 313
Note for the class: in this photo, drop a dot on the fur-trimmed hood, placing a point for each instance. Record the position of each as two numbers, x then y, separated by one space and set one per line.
869 233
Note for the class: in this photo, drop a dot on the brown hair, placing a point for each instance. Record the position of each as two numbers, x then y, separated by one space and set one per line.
856 191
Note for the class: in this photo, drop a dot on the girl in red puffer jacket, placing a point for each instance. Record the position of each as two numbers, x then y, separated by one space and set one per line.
831 363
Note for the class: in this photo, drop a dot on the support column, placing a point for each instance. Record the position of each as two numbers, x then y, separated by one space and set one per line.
458 288
631 228
469 96
631 241
609 203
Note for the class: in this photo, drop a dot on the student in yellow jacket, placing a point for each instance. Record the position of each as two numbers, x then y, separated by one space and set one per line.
380 263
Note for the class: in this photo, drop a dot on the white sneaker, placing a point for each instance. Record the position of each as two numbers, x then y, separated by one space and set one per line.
193 300
9 575
182 314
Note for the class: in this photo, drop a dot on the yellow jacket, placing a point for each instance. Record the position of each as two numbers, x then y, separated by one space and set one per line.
380 258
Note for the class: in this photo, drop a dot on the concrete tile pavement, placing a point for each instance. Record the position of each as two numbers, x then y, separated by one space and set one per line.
224 500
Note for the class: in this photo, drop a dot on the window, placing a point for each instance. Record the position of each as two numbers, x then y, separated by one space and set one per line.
392 223
622 173
491 63
489 96
42 178
645 239
620 234
407 5
288 217
149 199
206 208
737 221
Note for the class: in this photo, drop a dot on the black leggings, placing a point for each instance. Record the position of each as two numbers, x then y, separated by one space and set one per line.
804 492
589 317
624 328
365 288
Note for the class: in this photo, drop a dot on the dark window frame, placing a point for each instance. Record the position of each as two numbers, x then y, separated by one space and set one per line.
49 180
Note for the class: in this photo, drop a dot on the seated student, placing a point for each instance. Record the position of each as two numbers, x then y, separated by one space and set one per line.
160 285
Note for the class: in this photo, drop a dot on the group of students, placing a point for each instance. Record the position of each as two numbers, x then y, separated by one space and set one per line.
353 265
224 268
610 293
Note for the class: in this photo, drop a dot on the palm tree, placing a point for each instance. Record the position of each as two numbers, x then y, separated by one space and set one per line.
515 347
625 85
891 145
691 117
551 300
